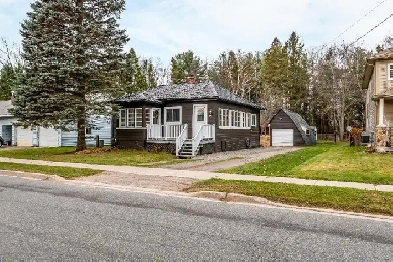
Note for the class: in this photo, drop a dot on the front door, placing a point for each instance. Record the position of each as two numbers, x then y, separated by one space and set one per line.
199 118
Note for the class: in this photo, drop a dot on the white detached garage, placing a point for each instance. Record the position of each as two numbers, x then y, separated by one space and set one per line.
290 129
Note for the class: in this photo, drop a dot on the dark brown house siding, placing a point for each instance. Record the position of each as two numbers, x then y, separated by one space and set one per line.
283 121
235 139
226 139
132 137
188 112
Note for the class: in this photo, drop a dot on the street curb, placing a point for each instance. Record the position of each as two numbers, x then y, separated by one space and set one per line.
38 176
244 199
203 195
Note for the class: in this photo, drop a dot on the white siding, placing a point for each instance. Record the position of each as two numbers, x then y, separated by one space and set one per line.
24 137
104 131
48 137
282 137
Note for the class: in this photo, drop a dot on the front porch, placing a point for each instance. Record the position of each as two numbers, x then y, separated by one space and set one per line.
184 141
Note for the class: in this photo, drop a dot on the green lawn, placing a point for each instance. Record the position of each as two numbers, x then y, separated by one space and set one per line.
345 199
326 161
115 157
66 172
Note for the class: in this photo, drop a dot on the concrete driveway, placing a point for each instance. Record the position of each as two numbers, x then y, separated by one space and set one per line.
229 159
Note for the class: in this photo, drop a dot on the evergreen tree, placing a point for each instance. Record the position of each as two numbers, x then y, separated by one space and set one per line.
7 81
73 57
139 74
274 80
297 74
185 65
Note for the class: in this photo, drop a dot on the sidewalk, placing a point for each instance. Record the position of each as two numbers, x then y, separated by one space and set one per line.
201 175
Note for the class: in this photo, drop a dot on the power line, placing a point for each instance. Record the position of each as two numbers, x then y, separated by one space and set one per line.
372 29
372 10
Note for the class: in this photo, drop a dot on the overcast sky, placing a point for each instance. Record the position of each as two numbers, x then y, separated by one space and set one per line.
162 28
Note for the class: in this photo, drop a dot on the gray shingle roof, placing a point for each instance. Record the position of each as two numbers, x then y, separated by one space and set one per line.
206 90
302 126
4 106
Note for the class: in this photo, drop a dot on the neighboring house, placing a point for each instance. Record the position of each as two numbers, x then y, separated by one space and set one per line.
187 119
378 80
49 137
7 130
290 129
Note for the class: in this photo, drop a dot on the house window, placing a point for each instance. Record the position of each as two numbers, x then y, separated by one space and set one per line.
253 120
173 114
88 131
131 117
307 132
390 71
224 117
237 121
147 111
243 119
156 115
200 114
123 118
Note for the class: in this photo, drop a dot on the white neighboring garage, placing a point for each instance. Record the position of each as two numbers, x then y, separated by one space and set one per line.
49 137
282 137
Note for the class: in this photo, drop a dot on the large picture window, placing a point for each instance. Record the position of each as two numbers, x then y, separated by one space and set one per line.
173 115
131 118
233 119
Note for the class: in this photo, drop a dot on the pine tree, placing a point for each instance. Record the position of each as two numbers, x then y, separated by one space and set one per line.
7 81
73 57
297 74
274 80
185 65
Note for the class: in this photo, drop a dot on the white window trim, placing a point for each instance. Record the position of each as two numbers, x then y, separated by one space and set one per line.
127 125
180 115
390 68
244 116
159 116
253 120
120 125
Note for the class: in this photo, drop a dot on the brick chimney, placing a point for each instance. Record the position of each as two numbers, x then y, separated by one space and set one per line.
191 80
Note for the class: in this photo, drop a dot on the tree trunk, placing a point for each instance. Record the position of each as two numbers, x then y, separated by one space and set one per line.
81 144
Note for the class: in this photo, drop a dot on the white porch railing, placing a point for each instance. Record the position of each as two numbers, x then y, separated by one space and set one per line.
164 132
181 138
204 132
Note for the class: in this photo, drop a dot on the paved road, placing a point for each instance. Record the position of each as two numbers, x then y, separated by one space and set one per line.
52 220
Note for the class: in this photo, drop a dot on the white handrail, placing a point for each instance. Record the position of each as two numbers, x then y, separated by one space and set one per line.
163 131
181 138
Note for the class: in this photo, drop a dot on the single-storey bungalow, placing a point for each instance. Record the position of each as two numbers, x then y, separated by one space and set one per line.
290 129
187 119
49 137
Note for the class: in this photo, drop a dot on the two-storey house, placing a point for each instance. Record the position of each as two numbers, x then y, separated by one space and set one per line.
378 80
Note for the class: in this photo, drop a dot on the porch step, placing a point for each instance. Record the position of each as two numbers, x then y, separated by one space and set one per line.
186 150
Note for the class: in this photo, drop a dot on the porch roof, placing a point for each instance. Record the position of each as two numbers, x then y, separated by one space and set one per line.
206 90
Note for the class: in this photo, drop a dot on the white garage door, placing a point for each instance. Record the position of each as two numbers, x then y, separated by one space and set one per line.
282 137
24 137
48 137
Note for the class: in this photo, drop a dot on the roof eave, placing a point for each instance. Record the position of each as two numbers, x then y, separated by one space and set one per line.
368 72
